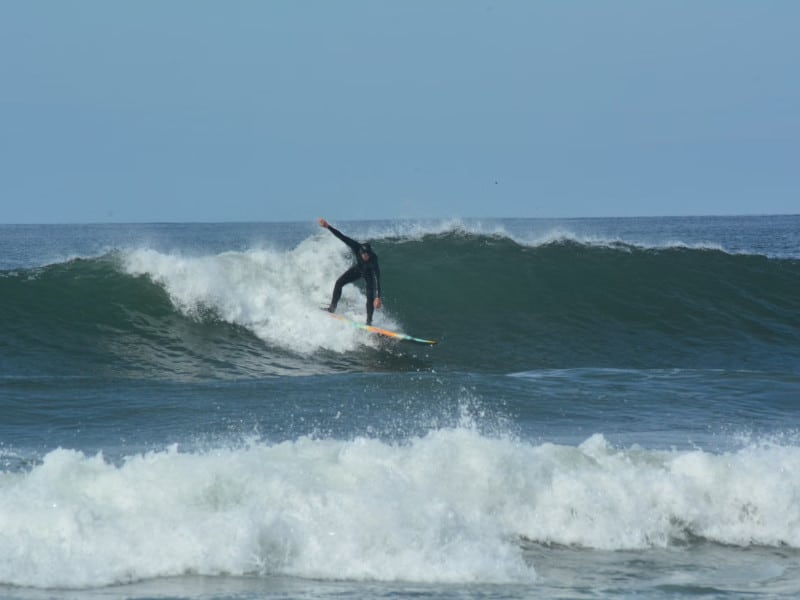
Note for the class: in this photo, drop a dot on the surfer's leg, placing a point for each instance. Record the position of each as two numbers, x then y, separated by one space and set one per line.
370 307
348 276
370 303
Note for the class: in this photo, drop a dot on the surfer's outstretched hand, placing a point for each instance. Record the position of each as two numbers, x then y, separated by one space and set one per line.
323 223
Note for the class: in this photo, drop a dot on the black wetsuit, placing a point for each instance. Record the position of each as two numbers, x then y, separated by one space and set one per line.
368 269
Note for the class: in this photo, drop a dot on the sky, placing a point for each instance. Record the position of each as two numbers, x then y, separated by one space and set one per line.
201 111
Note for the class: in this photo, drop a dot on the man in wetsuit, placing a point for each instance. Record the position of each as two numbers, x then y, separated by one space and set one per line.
366 266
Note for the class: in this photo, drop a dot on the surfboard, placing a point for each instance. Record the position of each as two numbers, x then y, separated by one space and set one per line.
383 332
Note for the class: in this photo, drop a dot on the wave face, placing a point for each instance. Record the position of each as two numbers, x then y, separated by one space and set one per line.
497 303
568 303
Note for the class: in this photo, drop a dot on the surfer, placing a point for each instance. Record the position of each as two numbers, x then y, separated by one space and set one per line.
366 266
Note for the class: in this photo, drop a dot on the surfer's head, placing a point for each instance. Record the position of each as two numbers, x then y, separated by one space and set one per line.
366 251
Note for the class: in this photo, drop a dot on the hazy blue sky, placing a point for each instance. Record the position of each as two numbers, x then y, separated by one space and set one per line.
271 111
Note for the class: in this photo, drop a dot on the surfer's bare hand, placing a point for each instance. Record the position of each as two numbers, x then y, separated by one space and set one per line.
376 303
323 223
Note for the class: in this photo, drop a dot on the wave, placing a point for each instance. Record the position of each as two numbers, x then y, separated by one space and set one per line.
450 506
498 302
570 303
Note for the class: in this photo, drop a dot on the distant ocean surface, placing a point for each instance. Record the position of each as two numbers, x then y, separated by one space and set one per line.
613 411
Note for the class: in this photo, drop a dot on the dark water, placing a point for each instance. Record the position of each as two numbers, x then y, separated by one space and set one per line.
612 411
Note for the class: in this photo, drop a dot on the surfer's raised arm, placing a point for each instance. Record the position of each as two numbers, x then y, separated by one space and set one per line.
354 245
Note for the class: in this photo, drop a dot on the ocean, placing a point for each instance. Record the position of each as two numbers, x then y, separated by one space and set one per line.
612 411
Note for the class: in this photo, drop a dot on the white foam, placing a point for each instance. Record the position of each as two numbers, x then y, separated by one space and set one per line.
451 506
532 234
416 230
320 509
276 294
560 234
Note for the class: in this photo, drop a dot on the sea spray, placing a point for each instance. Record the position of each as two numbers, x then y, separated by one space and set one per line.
275 294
